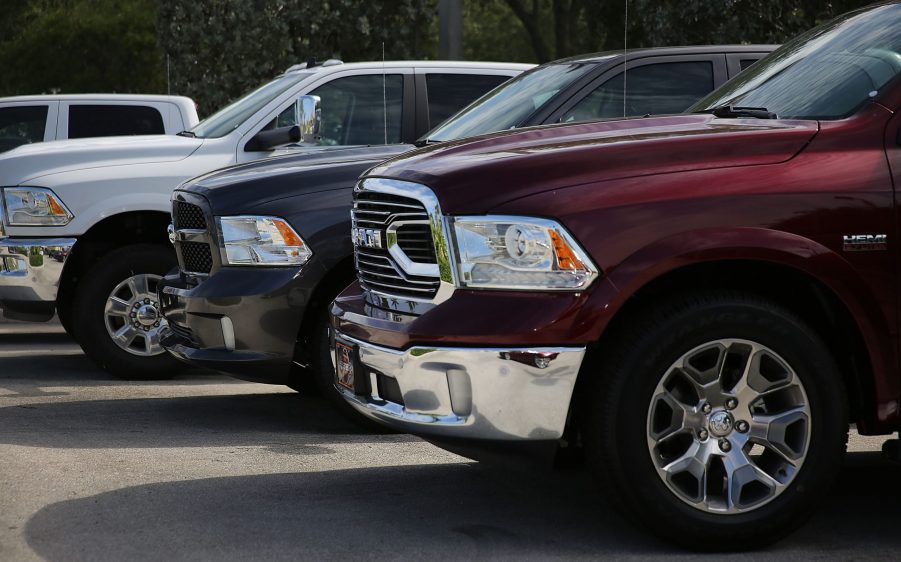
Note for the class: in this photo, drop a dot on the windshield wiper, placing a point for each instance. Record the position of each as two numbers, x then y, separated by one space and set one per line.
188 134
727 111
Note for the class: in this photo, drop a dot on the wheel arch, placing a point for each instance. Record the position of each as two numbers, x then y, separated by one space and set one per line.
799 274
332 283
115 231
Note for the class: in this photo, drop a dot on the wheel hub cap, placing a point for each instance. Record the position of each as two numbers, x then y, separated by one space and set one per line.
147 315
721 423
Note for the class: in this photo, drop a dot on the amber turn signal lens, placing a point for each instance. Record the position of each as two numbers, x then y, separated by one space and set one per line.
566 257
288 235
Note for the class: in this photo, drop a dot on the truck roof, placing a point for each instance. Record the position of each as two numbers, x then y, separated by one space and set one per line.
391 64
99 97
685 50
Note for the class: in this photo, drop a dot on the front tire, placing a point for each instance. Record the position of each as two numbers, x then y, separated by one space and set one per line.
116 317
718 421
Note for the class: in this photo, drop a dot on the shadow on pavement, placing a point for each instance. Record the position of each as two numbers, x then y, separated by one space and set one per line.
441 511
195 421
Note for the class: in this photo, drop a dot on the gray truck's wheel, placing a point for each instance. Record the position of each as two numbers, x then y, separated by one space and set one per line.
324 375
718 421
117 317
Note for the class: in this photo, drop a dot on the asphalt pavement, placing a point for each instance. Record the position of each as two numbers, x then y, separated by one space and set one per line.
203 467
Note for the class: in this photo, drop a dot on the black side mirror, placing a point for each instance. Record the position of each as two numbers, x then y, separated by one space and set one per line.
269 139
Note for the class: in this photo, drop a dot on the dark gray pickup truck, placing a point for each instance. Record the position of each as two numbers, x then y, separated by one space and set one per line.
264 247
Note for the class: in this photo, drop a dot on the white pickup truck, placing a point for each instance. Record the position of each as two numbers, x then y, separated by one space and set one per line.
32 119
83 230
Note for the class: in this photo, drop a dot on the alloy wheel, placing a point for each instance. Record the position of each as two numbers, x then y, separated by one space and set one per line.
728 426
133 316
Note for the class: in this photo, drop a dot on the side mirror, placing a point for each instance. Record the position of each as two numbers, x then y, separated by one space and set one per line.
309 118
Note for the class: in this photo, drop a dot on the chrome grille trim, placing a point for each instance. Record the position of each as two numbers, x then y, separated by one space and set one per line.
411 271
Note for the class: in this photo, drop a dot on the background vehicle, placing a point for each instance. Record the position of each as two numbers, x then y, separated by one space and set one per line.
107 200
702 301
31 119
258 320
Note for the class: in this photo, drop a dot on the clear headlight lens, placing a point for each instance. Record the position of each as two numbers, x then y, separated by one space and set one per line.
34 206
251 240
502 252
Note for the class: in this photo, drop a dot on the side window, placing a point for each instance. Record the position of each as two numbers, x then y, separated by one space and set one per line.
22 125
114 121
655 89
353 109
449 93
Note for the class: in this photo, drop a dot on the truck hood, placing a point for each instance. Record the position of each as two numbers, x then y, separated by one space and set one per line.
477 174
236 189
28 162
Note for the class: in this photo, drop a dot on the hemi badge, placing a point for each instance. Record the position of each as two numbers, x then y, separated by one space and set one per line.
864 242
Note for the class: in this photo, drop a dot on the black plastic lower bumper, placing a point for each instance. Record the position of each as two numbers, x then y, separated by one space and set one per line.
241 321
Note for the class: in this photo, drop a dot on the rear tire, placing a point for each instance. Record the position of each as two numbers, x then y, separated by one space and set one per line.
116 318
674 452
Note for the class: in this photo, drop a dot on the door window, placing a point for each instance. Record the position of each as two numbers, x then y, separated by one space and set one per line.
449 93
362 109
113 121
22 124
655 89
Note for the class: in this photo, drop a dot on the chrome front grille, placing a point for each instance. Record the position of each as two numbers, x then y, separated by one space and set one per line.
394 248
377 271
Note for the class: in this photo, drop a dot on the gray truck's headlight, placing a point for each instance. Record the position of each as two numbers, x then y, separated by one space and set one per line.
268 241
505 252
34 206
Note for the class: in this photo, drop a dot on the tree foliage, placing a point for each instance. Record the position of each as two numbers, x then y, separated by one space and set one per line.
219 49
74 46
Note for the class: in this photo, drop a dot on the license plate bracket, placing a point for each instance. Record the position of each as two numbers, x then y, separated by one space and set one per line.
345 366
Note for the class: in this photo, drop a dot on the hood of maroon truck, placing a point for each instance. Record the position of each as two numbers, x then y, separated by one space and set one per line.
477 174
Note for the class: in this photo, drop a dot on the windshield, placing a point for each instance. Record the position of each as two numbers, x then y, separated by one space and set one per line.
233 115
508 105
826 73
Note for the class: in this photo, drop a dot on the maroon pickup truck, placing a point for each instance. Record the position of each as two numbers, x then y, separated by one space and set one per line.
703 302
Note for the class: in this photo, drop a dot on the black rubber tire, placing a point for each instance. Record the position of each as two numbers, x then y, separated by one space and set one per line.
324 375
614 395
90 299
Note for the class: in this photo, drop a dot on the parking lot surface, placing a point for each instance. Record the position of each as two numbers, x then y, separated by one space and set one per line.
204 467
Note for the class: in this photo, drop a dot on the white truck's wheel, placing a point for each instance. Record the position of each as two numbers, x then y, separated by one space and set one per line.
117 318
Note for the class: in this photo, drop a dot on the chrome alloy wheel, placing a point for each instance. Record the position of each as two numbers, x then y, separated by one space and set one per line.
133 316
728 426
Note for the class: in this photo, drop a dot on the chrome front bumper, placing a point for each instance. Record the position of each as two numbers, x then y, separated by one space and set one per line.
473 393
30 269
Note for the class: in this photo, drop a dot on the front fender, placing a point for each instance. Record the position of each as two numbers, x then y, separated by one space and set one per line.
763 245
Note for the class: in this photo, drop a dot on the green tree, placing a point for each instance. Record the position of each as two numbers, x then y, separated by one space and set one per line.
74 46
219 49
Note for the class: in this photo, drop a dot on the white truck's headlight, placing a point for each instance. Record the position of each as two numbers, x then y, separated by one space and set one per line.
268 241
34 206
504 252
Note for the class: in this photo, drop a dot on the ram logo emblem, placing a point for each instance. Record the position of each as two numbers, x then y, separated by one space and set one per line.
864 242
367 237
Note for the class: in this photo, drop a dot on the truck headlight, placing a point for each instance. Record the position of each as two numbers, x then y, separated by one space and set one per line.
268 241
504 252
34 206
